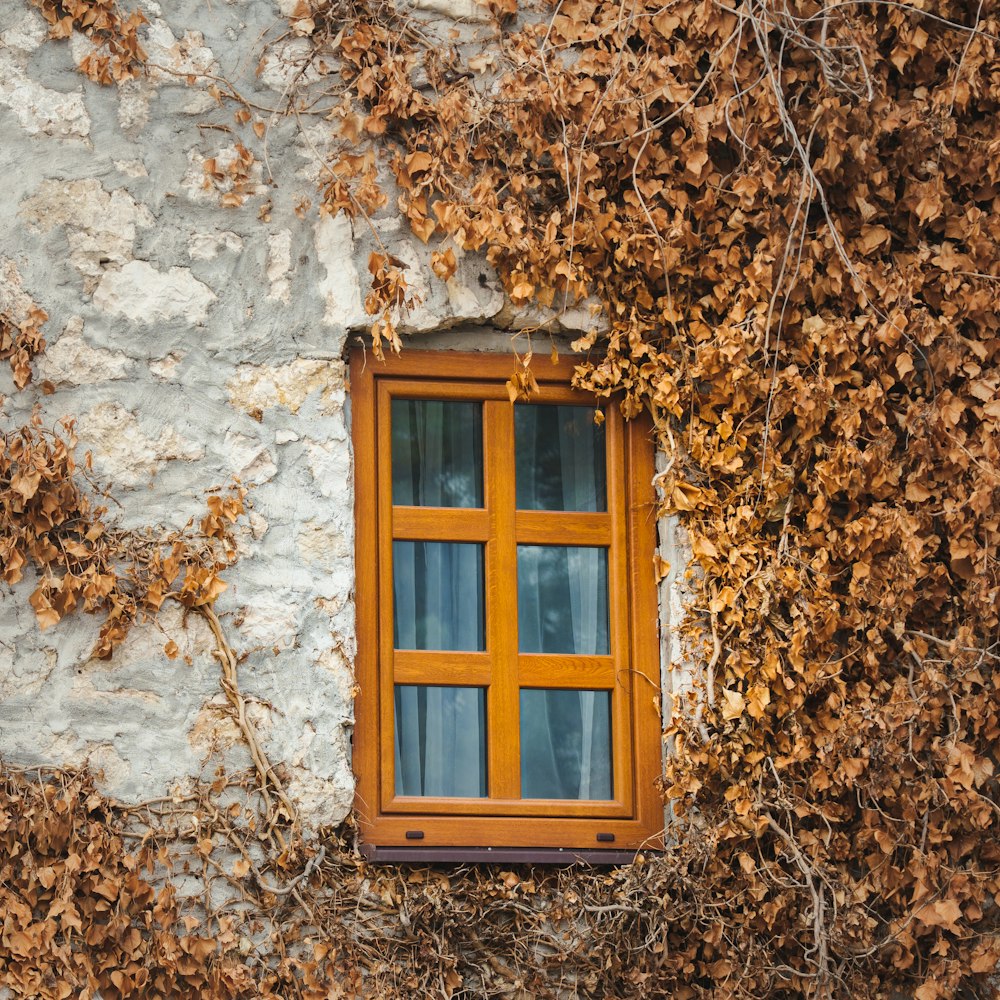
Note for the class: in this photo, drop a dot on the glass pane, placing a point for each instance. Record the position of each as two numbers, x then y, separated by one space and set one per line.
565 744
562 599
440 741
559 453
438 595
437 453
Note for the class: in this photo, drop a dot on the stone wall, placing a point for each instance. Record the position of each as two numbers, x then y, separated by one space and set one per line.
199 318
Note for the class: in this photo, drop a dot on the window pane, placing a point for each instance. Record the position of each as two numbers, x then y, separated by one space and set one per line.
437 453
438 595
440 741
562 599
559 453
565 744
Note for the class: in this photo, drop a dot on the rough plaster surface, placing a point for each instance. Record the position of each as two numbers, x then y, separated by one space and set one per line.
100 226
194 343
38 109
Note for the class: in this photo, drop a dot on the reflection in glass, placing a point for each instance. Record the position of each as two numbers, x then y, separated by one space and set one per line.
560 461
438 595
437 453
562 599
440 741
565 744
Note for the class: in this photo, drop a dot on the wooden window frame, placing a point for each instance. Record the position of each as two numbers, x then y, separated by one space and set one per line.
391 825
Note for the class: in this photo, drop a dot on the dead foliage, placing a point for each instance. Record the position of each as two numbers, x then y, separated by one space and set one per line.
86 911
117 54
206 893
789 216
231 176
20 342
50 524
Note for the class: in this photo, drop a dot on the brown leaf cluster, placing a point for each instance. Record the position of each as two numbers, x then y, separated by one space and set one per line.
311 924
231 177
81 916
386 299
50 525
117 54
20 342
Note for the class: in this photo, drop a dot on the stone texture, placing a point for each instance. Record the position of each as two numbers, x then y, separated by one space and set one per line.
261 387
72 361
141 293
279 263
172 58
341 287
286 64
195 343
250 460
39 110
100 226
14 300
128 716
207 246
131 168
459 10
124 453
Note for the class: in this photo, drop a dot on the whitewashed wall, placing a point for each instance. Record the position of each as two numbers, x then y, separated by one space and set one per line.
195 343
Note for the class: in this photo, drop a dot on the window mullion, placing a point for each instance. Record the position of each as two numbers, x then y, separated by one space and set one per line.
503 725
618 587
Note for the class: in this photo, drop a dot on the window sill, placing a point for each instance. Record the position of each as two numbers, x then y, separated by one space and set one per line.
498 855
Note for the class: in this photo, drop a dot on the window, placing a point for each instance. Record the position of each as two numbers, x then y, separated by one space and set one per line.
508 660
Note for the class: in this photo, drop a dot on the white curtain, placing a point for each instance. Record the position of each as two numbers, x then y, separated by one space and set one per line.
440 731
440 741
560 458
437 453
565 744
438 590
562 599
440 744
565 735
